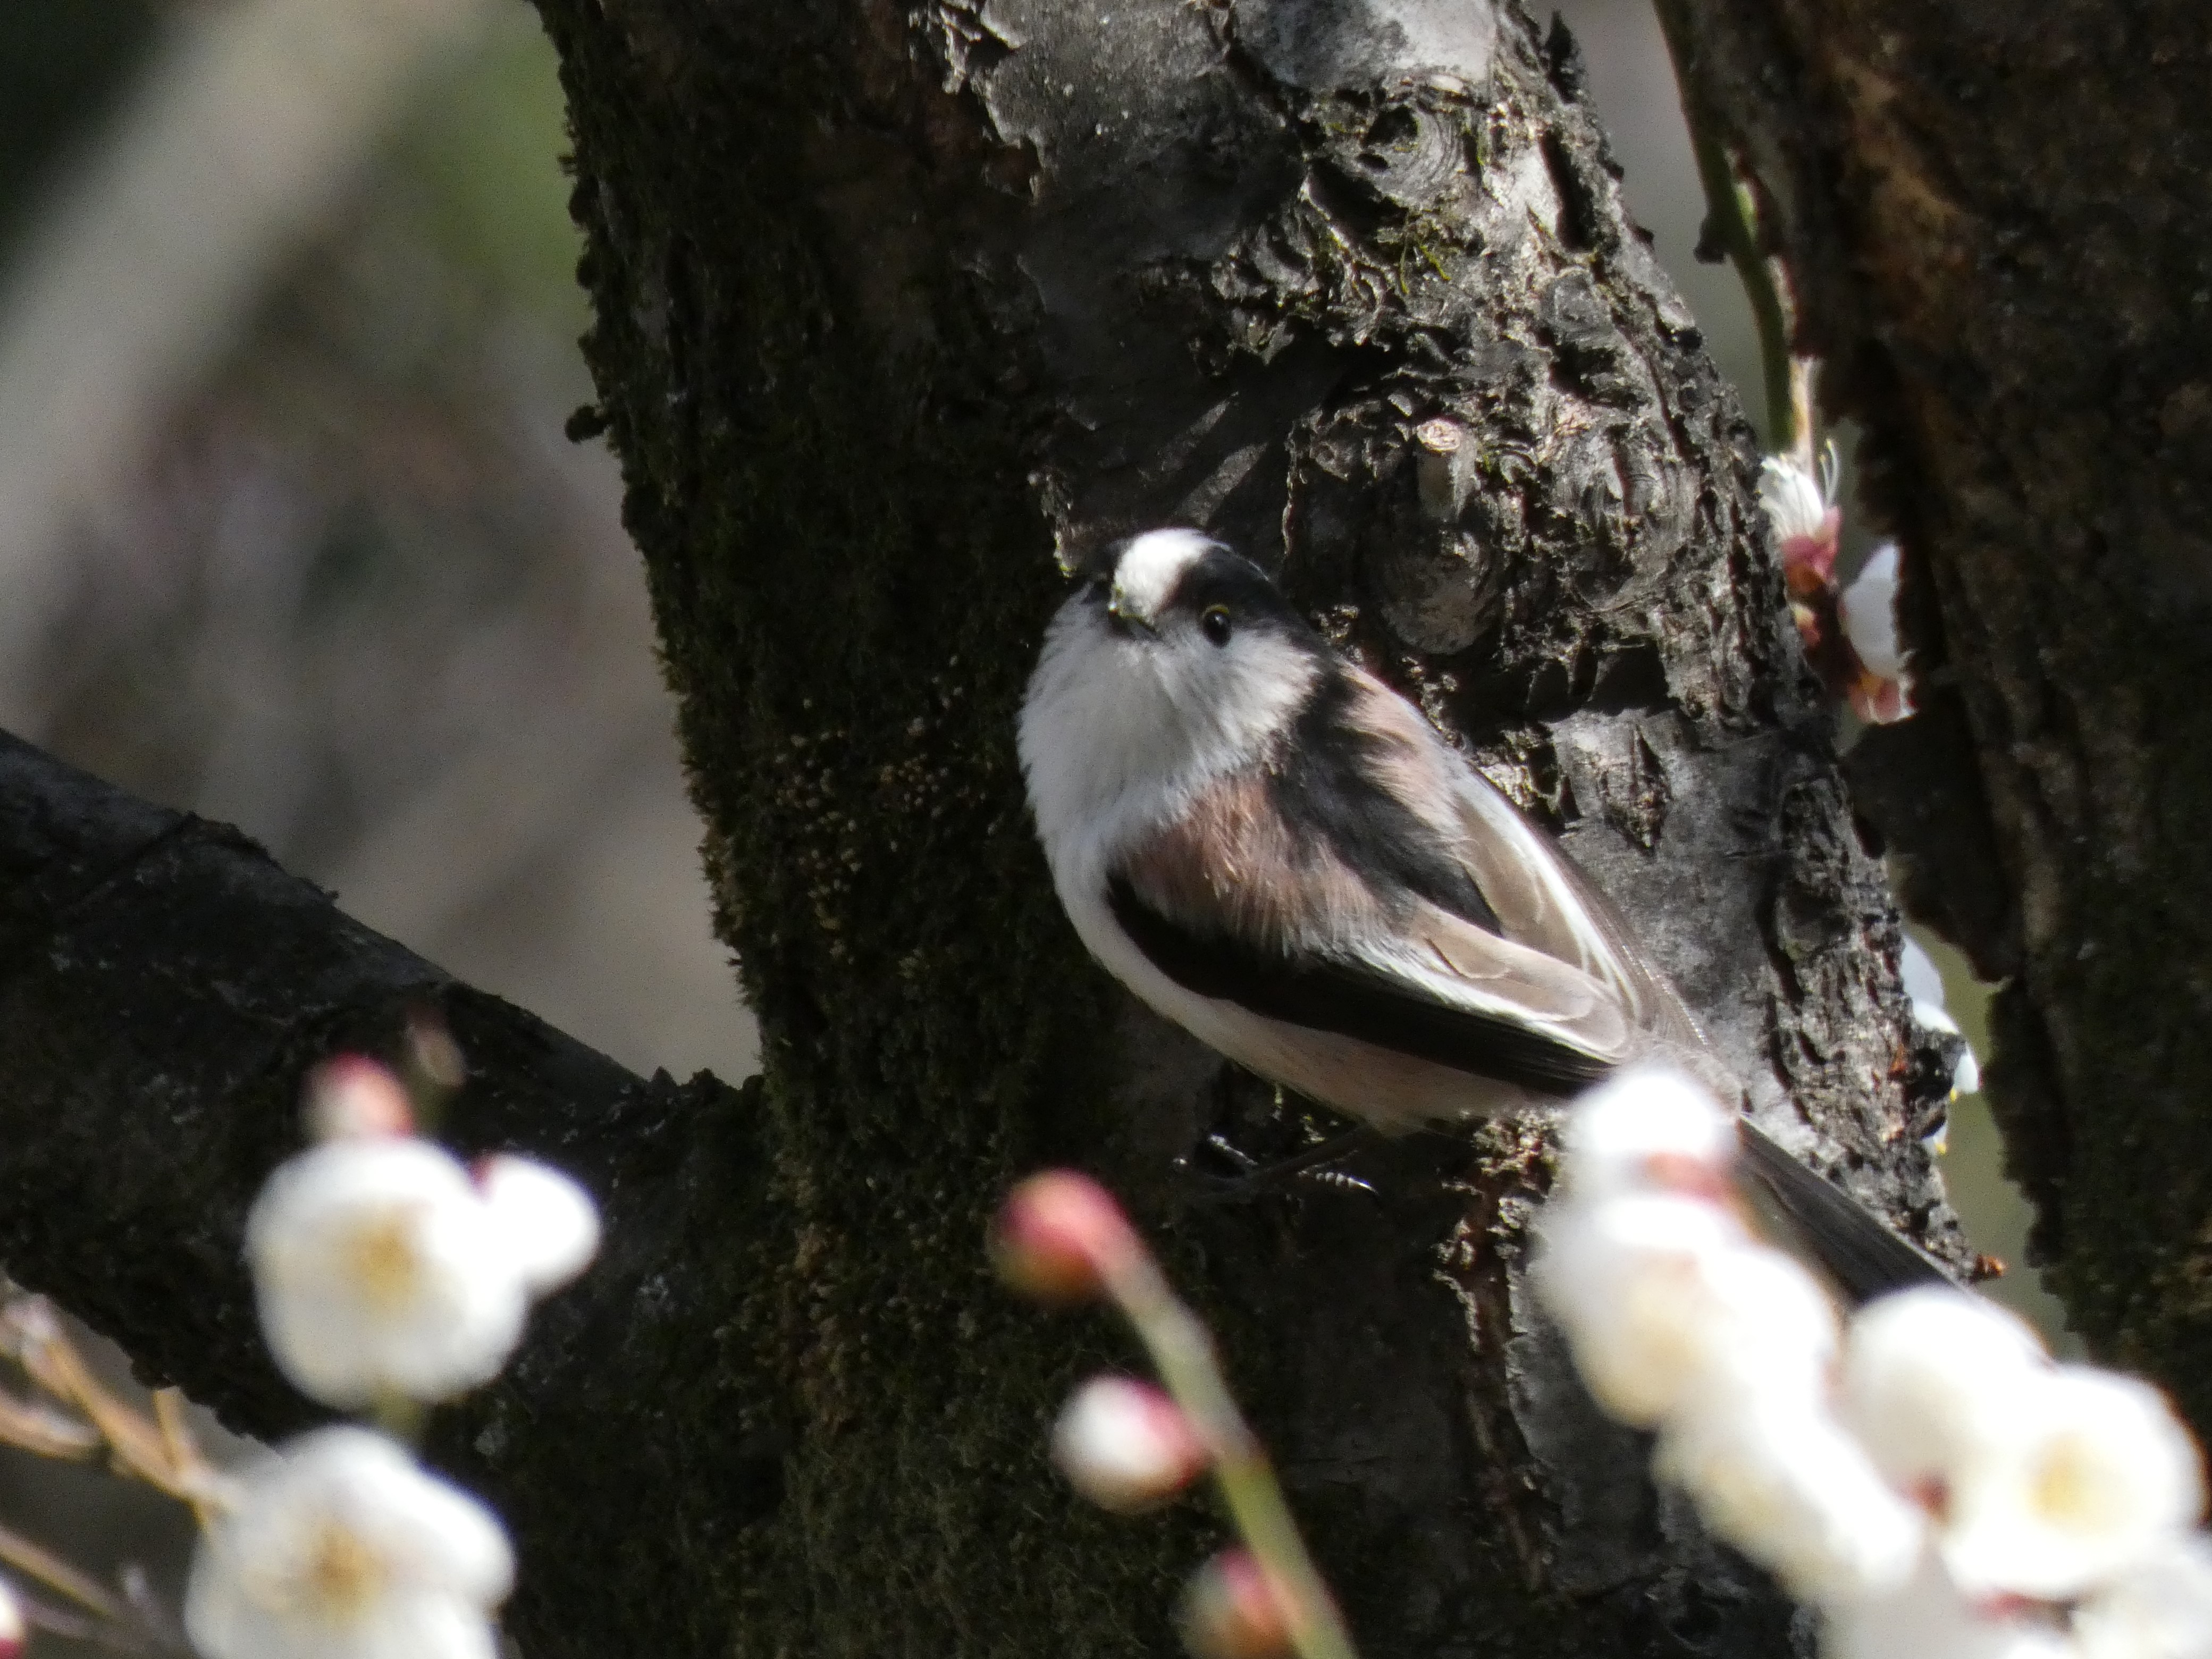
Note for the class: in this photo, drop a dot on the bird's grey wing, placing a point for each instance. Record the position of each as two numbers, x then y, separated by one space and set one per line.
1540 899
1543 901
1825 1224
1431 985
1536 896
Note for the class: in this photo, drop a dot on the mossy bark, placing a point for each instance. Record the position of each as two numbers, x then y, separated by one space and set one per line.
894 303
1994 218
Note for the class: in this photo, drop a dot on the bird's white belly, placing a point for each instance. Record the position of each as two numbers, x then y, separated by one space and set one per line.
1395 1093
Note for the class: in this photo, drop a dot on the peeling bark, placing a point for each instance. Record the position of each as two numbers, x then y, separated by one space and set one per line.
1994 216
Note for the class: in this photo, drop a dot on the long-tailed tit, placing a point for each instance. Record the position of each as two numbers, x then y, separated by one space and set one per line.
1278 853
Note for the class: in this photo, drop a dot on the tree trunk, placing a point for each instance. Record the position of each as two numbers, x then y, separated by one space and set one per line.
893 303
1994 218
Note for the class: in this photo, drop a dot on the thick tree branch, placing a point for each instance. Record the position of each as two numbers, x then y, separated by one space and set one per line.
164 987
1994 218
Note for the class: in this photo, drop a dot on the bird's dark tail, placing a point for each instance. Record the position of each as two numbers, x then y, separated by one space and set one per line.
1826 1225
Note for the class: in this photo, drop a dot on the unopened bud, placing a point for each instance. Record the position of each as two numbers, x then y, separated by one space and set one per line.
1650 1128
354 1099
1125 1445
1232 1611
1060 1236
432 1052
15 1625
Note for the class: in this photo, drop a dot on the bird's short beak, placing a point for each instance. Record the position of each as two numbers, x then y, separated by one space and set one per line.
1125 624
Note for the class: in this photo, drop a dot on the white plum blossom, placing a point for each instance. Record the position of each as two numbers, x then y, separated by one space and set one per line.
381 1269
1850 634
2159 1608
14 1624
1924 986
1868 607
550 1224
1930 1480
1125 1445
2061 1484
1928 1618
1919 1369
1649 1127
1667 1301
1799 504
1777 1478
341 1547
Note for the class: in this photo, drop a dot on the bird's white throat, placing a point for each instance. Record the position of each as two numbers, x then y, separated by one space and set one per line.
1117 732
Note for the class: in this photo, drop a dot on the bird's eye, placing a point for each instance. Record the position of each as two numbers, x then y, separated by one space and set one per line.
1215 622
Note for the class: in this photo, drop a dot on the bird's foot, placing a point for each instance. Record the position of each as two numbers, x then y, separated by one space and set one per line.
1253 1179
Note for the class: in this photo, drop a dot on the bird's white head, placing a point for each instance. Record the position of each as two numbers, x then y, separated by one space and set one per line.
1174 661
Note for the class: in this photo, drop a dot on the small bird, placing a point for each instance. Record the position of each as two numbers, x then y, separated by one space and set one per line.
1278 853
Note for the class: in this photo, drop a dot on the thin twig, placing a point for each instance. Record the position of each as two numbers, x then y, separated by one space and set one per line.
195 1477
56 1574
1182 1350
139 1446
1731 225
159 1452
39 1429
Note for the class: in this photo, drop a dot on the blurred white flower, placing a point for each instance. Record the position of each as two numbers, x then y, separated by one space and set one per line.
340 1548
1919 1369
1648 1127
548 1223
1125 1445
1773 1475
1927 1617
15 1626
2159 1609
2066 1482
1868 609
1667 1301
380 1266
1800 506
1924 985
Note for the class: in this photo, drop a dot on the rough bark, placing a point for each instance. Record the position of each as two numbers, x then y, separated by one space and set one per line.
895 302
1994 218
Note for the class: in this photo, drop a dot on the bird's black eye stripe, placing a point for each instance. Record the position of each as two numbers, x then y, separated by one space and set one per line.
1324 787
1247 601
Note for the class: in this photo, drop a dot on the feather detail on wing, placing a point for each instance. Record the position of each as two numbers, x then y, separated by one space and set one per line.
1229 903
1478 1027
1543 901
1538 897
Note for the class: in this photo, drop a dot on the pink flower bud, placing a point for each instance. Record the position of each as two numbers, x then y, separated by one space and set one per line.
15 1626
1232 1611
1125 1445
1060 1237
354 1099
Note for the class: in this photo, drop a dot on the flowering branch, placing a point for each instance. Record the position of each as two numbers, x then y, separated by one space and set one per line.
389 1275
1924 1475
160 1452
1061 1237
85 1418
1731 227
